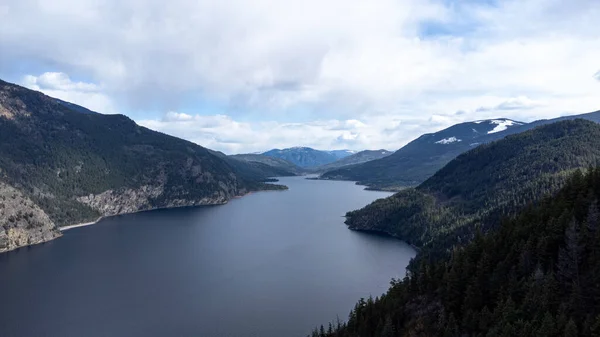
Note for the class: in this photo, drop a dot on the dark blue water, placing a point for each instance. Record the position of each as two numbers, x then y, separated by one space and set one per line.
268 264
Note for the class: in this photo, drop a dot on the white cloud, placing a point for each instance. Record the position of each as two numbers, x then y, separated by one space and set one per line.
59 85
397 67
223 133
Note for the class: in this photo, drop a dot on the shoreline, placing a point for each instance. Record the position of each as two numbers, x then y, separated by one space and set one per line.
83 224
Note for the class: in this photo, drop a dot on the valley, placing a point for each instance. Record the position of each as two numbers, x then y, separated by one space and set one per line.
460 192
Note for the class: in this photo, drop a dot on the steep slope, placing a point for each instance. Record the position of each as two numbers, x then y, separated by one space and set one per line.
422 157
281 165
77 166
479 186
306 157
18 216
534 276
357 158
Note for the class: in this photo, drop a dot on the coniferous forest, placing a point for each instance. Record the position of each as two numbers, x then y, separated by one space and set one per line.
535 275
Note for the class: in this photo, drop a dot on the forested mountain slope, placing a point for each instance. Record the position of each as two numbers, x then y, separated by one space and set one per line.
280 166
77 166
479 186
307 157
535 275
421 158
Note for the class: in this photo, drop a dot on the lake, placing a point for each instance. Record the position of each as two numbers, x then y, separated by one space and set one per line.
269 264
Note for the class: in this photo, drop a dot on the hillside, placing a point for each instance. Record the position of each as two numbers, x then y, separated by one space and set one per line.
284 167
479 186
78 166
306 157
422 157
536 275
254 170
356 158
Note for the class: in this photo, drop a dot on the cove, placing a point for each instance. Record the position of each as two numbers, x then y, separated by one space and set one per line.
268 264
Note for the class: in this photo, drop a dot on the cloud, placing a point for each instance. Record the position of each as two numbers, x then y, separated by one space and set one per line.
597 75
59 85
397 66
223 133
513 103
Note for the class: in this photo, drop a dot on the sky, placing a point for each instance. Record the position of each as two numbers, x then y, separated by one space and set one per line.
250 75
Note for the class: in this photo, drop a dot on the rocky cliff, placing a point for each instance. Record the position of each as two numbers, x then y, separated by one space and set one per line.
22 222
113 202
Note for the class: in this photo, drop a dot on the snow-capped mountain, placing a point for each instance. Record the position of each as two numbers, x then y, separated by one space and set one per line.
469 132
308 157
419 159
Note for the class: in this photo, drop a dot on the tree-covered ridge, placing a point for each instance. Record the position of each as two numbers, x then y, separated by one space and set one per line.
481 185
534 275
55 154
282 165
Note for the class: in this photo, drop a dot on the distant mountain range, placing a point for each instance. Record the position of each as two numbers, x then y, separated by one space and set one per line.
283 166
307 157
421 158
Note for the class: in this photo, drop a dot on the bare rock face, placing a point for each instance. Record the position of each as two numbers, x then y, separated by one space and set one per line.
124 201
22 222
113 202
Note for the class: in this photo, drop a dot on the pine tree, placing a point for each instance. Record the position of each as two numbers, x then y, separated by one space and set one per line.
547 327
571 329
388 328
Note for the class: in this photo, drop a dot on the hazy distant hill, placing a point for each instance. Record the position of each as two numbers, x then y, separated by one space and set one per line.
357 158
274 162
307 157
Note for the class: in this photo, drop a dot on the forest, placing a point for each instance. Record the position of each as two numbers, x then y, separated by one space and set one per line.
54 153
480 187
534 275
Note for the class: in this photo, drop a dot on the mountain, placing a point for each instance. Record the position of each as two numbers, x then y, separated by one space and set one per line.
339 154
282 165
535 275
356 158
422 157
254 170
306 157
60 166
483 184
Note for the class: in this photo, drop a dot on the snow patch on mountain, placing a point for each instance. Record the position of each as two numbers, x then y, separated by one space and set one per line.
502 124
448 140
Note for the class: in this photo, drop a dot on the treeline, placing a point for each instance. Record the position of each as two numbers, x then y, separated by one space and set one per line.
535 275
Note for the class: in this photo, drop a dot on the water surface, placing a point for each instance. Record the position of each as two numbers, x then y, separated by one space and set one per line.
269 264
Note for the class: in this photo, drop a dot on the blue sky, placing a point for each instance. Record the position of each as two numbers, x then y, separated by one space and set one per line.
244 76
